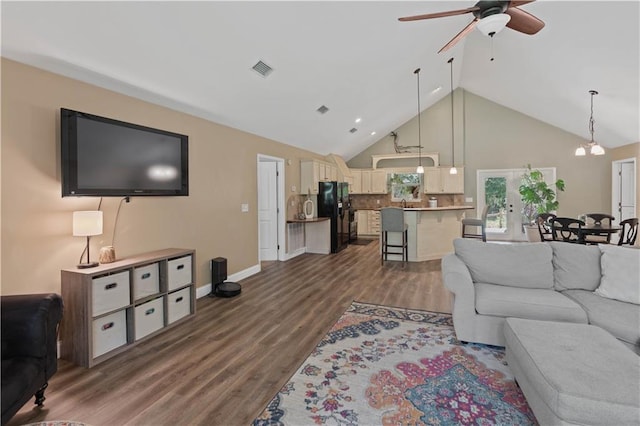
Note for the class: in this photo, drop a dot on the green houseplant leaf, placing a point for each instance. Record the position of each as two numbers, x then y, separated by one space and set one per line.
537 195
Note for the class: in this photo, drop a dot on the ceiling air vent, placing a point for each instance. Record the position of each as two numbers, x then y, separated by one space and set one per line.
262 69
323 109
353 130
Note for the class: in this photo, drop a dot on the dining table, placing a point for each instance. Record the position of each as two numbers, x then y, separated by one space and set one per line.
594 229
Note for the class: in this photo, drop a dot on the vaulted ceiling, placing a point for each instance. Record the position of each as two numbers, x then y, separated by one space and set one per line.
355 58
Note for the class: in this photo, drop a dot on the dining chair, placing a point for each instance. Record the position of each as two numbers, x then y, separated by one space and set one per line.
629 232
562 229
543 220
598 219
476 223
392 220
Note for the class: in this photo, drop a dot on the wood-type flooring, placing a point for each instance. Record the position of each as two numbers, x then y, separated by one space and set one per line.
225 364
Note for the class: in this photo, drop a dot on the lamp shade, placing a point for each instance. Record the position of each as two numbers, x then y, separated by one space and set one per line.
597 150
87 223
493 24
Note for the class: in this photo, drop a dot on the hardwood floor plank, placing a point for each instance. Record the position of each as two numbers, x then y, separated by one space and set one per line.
224 365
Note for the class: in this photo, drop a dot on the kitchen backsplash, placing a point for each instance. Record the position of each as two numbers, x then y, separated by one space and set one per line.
376 201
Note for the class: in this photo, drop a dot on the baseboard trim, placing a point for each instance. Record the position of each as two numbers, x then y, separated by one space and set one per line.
205 290
295 253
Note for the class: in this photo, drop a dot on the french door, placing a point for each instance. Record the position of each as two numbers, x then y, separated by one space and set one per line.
499 190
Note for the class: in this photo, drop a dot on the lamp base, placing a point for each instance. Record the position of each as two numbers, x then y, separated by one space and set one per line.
87 265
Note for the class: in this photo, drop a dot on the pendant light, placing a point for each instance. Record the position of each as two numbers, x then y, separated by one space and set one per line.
452 170
594 147
419 169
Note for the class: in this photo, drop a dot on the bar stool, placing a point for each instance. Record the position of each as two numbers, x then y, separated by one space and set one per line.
475 223
392 220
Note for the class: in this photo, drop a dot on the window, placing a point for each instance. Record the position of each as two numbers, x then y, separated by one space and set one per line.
405 186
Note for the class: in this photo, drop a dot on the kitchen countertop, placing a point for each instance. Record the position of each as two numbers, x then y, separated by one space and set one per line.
315 219
413 209
432 209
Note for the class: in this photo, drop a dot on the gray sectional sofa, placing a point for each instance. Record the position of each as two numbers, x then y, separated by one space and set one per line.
552 281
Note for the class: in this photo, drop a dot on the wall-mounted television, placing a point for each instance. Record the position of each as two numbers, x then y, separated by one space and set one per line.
105 157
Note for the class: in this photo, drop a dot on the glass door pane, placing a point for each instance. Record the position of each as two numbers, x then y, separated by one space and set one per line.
495 196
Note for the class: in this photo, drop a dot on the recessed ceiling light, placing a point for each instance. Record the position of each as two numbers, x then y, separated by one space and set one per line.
373 133
358 120
353 130
436 90
322 109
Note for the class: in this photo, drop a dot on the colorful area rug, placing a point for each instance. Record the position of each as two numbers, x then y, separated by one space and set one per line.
391 366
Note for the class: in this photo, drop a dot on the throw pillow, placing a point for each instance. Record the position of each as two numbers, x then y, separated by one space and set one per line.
575 266
620 273
525 265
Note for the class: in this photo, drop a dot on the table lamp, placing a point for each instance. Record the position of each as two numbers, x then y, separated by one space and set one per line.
87 224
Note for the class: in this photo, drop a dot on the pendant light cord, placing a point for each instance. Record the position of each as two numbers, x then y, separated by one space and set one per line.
453 158
591 120
417 73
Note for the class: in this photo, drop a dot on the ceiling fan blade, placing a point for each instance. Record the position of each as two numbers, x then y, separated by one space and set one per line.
514 3
466 30
523 21
439 14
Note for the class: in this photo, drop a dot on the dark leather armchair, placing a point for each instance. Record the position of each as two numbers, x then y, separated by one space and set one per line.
29 348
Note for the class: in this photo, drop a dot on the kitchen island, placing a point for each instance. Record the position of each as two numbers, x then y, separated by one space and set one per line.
431 231
309 236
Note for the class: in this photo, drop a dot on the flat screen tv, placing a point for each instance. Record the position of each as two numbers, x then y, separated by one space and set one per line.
105 157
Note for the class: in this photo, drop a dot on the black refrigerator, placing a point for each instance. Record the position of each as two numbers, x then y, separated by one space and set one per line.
333 198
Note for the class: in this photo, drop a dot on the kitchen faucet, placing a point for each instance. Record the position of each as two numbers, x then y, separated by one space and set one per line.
404 203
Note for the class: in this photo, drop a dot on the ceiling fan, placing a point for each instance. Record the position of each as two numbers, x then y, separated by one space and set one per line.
490 17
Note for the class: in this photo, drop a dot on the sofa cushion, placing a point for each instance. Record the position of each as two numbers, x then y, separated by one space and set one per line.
575 266
618 318
529 303
526 265
620 274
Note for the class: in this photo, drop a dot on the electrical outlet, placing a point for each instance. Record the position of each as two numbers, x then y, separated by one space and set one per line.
293 188
244 208
377 201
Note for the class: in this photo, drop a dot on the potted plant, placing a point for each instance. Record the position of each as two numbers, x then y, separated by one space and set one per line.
537 197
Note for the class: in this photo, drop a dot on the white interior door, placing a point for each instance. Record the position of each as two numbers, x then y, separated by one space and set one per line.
268 210
623 191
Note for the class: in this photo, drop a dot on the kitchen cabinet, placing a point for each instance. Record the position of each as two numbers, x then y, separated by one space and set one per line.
368 222
313 172
369 181
437 180
114 306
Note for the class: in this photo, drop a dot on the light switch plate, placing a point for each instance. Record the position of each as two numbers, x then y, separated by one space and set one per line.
468 200
244 208
293 188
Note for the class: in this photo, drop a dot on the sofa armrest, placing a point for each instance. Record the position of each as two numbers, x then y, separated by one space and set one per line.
457 279
30 325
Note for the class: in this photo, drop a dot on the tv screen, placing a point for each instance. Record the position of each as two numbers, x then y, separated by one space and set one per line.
105 157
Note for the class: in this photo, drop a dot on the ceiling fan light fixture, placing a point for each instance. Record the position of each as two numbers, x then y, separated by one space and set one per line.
453 171
493 24
580 151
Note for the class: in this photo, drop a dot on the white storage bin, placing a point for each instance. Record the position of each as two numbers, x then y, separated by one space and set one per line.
149 317
179 272
110 292
146 281
109 332
178 304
